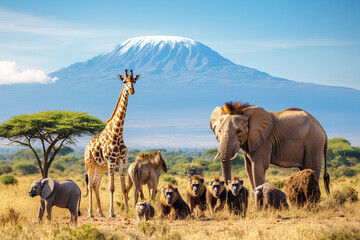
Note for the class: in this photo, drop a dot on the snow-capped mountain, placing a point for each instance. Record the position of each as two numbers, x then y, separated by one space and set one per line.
182 82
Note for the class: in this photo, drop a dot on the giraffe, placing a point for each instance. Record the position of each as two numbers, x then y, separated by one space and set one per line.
107 149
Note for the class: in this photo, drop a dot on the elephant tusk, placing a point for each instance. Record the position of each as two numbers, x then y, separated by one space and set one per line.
234 157
217 155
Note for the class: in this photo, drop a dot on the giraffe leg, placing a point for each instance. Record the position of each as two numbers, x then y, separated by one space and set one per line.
90 168
111 189
122 171
99 172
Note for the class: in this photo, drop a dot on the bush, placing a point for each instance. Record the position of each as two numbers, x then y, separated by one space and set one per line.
5 169
215 166
58 166
191 169
171 180
84 233
8 179
26 168
347 194
345 171
203 162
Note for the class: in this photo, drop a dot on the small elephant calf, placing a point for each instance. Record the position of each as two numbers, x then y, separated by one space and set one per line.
268 195
63 194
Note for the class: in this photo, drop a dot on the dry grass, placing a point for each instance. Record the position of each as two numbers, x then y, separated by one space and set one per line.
328 220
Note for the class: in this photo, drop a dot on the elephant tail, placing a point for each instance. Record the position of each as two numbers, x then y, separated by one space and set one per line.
326 174
87 183
79 213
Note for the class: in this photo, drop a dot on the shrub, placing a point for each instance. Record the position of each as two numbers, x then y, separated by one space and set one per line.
345 171
215 166
84 233
5 169
8 179
171 180
203 162
348 193
26 168
191 169
58 166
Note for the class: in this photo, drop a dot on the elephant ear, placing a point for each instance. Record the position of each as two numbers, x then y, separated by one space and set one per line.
260 127
47 187
215 121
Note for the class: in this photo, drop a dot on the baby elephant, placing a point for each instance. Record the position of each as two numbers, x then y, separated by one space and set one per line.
268 195
63 194
144 211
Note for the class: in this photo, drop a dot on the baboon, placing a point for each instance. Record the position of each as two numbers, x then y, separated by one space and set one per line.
216 195
144 211
268 195
145 170
172 203
237 197
196 193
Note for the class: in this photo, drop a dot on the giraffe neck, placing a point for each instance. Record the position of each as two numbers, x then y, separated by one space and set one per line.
116 123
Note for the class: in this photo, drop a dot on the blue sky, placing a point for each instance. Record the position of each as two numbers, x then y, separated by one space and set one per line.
307 41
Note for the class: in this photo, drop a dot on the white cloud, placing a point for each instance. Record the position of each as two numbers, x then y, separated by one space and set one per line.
11 73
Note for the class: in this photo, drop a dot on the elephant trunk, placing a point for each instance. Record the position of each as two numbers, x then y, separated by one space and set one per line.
226 169
225 158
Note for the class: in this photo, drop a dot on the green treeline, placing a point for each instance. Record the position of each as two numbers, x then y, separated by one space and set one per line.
343 160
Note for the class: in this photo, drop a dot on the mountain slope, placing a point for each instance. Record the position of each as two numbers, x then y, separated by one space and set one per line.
182 82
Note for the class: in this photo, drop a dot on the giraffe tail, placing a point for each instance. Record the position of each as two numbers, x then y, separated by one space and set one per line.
87 183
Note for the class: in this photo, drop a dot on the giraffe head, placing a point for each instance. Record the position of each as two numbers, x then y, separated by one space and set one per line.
129 81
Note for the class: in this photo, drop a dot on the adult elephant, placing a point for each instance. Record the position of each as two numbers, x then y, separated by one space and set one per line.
288 138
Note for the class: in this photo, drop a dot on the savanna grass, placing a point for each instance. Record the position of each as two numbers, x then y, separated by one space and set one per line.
326 220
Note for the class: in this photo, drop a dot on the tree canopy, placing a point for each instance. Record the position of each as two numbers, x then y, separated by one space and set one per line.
50 129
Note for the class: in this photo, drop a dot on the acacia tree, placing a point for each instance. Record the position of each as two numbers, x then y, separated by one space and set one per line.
51 130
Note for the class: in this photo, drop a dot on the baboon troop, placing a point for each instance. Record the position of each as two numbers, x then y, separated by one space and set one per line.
146 170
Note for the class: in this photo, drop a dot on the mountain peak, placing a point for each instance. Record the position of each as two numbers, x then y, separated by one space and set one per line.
150 42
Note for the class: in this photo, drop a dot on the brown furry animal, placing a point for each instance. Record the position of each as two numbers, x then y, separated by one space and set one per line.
268 195
302 188
144 211
172 203
216 195
196 193
237 199
145 170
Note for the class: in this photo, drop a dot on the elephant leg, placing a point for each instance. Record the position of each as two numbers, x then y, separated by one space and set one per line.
41 209
260 161
258 171
249 171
